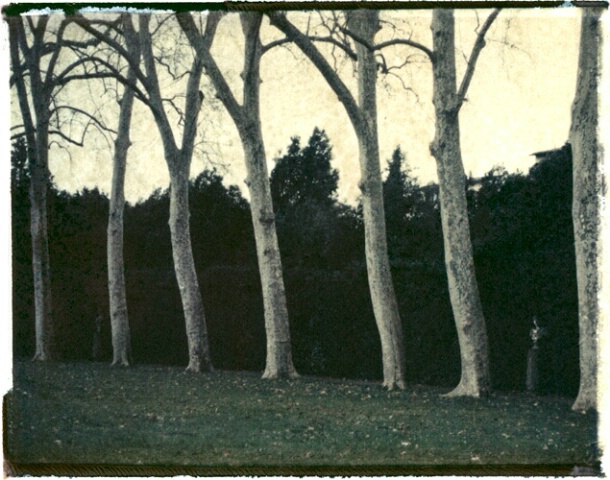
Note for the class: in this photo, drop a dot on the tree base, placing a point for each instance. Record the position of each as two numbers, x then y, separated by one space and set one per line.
195 366
463 391
393 384
584 403
120 363
276 375
40 357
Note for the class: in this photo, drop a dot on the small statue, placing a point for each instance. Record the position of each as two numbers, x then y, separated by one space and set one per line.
536 333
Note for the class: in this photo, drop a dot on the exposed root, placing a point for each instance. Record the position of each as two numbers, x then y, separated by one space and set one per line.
390 385
275 375
462 391
584 405
120 363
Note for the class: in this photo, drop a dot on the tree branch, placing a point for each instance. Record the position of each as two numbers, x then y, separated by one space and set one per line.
479 44
67 138
348 51
153 88
406 41
202 46
279 20
389 43
86 25
84 113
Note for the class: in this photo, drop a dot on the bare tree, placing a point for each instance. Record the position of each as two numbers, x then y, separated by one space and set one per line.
459 262
587 155
119 319
37 134
446 149
247 120
39 74
363 116
178 159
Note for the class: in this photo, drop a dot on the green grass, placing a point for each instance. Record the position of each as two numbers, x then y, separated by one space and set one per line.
93 414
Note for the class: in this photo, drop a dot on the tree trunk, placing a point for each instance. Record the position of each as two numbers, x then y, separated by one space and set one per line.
463 289
365 24
41 264
119 319
279 350
587 190
37 135
184 264
247 120
179 164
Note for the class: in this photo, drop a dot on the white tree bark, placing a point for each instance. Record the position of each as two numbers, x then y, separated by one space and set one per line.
277 328
178 160
459 262
190 293
587 155
119 319
365 24
247 120
37 135
363 117
41 262
179 164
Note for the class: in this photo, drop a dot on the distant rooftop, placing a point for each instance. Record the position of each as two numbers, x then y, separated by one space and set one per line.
545 153
542 155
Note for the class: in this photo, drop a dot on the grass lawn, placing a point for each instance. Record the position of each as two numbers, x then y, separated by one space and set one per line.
70 418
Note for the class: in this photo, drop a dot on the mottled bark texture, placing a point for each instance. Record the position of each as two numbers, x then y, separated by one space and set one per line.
279 349
363 116
365 24
247 120
119 319
587 156
184 264
179 164
463 289
37 136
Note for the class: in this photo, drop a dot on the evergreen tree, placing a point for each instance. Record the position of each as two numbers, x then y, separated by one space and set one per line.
305 175
303 188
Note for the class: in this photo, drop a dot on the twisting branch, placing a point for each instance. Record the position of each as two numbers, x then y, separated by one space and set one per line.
408 42
87 25
279 20
202 45
474 56
100 124
275 43
389 43
68 138
176 108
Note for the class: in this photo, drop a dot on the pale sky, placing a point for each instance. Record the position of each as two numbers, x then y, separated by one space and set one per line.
518 103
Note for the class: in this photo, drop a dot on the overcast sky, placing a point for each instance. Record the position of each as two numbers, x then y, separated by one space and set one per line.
518 103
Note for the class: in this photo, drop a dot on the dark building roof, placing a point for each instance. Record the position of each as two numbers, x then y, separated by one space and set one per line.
544 154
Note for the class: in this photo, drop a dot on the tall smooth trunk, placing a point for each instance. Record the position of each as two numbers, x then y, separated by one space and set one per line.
119 319
279 351
37 135
587 155
365 24
186 275
41 263
179 163
459 262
